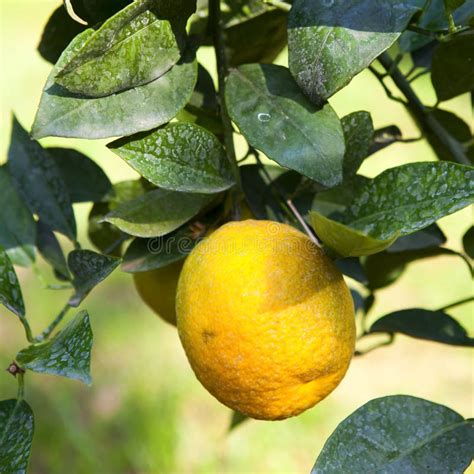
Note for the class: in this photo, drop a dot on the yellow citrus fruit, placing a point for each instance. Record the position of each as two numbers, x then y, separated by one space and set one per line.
265 318
157 289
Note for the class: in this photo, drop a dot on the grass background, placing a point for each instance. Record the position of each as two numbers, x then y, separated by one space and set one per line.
146 412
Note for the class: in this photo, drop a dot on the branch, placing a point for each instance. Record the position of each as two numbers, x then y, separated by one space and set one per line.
378 346
215 26
47 332
456 303
426 120
286 7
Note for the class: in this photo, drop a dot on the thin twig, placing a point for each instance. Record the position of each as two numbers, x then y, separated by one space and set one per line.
388 92
456 303
286 7
305 226
378 346
47 332
418 75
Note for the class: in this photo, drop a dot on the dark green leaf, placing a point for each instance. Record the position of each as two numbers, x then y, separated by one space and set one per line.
358 135
384 137
65 115
358 300
424 324
17 226
431 236
40 181
57 34
352 268
89 269
331 41
108 62
50 249
399 434
265 103
385 267
10 290
452 5
84 179
452 70
434 19
68 354
237 419
16 434
468 242
179 157
347 241
95 11
156 213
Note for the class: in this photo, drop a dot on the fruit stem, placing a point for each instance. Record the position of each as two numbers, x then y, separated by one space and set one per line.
215 27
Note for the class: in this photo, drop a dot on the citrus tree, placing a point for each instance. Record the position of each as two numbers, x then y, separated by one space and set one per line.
262 309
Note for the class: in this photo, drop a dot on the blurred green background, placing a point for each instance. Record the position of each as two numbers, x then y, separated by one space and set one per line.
146 412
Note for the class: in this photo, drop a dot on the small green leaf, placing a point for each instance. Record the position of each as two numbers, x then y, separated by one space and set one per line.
358 135
398 434
108 62
10 290
424 324
68 354
452 71
57 34
468 242
88 269
237 419
156 213
431 236
17 426
179 157
345 240
67 115
17 226
265 102
452 5
40 181
50 250
85 180
330 42
384 137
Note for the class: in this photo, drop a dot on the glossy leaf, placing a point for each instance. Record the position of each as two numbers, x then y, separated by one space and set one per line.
347 241
178 157
10 290
50 249
40 181
265 102
399 434
66 115
16 434
331 41
156 213
358 135
468 242
424 324
17 226
108 62
67 354
84 179
431 236
452 71
57 34
88 269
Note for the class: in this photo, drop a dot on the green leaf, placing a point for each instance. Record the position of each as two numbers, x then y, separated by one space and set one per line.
57 34
452 5
156 213
347 241
468 242
237 419
384 137
399 434
358 135
10 290
108 62
452 70
96 11
431 236
352 268
50 250
66 115
85 180
424 324
265 102
179 157
17 426
17 226
40 181
330 42
68 354
88 269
